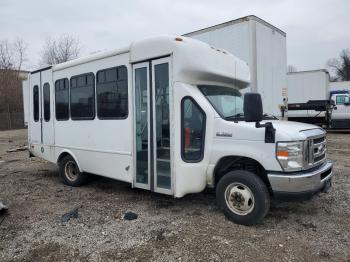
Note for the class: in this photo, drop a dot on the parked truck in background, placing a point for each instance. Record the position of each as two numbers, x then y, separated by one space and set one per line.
339 93
263 47
312 100
308 97
338 86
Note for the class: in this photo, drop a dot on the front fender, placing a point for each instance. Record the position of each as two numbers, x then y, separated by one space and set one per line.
262 152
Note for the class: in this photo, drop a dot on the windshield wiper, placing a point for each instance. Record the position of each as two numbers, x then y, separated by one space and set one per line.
241 115
235 116
269 117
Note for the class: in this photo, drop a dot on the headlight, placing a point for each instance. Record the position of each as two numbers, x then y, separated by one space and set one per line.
290 155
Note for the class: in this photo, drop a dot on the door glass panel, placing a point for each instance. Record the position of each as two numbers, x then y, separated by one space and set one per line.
162 136
141 118
46 91
36 103
193 130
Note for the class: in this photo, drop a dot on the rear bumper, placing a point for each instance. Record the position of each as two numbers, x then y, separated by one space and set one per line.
301 185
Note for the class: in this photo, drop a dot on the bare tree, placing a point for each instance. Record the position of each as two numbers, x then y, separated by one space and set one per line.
12 55
6 55
340 68
60 50
20 48
291 69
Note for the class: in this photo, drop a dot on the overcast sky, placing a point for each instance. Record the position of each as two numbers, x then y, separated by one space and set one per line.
316 29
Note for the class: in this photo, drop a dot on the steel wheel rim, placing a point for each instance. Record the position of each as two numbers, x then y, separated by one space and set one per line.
239 199
71 170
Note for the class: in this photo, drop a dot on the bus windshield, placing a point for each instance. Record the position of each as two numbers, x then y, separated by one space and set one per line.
228 102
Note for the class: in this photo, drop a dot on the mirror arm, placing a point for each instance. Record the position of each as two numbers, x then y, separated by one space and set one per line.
270 131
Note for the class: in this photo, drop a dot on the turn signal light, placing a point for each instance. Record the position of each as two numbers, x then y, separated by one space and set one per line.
282 154
178 39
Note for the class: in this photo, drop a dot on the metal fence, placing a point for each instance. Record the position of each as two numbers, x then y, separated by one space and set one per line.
10 119
11 99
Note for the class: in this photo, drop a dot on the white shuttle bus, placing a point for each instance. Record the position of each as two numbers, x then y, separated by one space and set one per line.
165 114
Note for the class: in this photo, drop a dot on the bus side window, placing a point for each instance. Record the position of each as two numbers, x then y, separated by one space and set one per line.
112 93
62 99
82 97
193 121
36 103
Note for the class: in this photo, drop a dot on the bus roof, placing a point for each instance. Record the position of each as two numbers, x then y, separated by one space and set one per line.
194 62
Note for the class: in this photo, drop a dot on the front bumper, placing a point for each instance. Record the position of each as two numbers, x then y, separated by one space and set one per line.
301 185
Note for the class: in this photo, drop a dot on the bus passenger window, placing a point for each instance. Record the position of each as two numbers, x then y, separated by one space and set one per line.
62 99
82 97
112 93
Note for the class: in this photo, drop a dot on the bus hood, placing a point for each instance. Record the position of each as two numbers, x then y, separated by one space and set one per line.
289 130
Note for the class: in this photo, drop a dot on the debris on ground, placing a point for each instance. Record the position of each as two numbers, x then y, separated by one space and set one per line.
31 229
17 149
71 214
130 216
307 225
3 208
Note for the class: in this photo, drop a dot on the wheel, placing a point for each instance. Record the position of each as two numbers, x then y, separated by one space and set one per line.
243 196
70 173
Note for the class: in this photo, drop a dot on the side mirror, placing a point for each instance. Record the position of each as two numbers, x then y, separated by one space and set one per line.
253 110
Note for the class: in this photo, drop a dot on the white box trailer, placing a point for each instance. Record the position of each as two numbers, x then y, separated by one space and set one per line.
263 47
338 86
304 89
313 91
308 85
166 114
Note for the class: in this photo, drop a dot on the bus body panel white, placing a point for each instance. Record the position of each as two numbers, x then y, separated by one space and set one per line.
191 177
102 147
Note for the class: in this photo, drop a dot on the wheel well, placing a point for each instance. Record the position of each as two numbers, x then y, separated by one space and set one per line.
62 155
230 163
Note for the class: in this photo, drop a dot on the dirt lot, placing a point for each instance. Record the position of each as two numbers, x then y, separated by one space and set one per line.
167 229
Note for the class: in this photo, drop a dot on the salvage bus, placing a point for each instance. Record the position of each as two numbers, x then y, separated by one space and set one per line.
166 114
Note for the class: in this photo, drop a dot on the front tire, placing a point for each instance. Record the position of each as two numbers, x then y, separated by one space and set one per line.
243 196
70 173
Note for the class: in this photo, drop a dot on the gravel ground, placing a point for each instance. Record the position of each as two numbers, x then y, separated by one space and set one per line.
167 229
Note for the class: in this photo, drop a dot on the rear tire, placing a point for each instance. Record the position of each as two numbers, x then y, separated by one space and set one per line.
70 173
243 196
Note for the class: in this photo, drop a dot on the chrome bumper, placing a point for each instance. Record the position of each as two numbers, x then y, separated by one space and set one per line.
308 181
